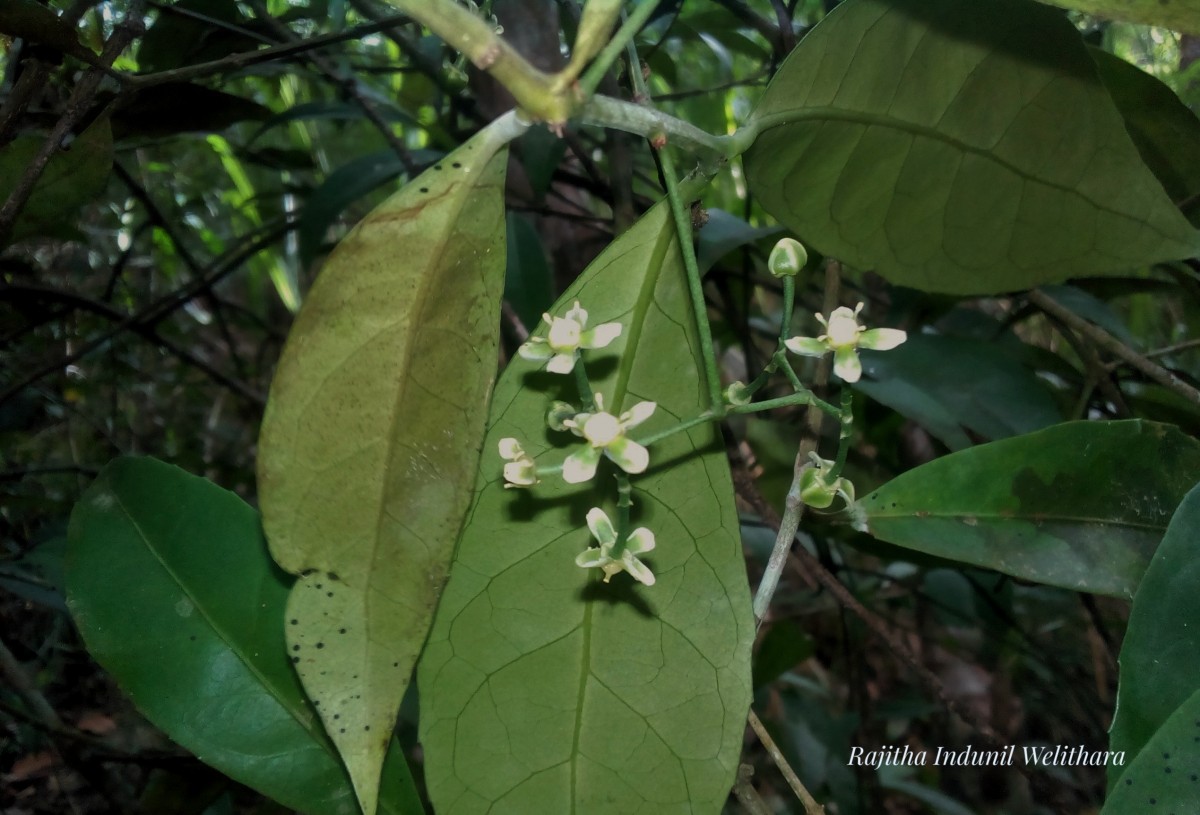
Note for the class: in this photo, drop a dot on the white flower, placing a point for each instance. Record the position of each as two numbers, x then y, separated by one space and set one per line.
605 433
640 541
520 470
567 335
843 335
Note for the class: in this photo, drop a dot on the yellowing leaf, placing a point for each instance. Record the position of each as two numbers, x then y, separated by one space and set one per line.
371 438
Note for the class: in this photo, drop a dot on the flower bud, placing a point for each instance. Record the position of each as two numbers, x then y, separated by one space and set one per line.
787 258
558 414
737 394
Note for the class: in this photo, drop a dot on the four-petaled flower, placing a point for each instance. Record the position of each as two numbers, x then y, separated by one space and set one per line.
520 470
567 335
605 433
640 541
843 335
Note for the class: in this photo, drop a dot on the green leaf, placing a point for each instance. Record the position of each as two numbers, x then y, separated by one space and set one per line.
957 147
1180 15
528 283
950 383
1165 131
1163 777
725 232
73 177
1080 505
171 587
1159 653
545 690
371 437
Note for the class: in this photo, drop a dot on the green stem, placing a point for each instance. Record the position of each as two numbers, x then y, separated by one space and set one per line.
679 428
605 111
683 227
847 427
586 397
624 503
608 55
761 379
789 304
785 364
476 38
801 398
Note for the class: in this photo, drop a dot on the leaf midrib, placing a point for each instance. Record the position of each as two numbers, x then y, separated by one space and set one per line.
923 515
221 634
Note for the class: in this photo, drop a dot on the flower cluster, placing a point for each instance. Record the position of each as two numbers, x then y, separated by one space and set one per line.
604 435
843 336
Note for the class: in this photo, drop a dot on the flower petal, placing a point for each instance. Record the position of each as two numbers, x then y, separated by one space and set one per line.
520 473
881 339
600 336
637 414
600 526
536 349
640 540
807 346
846 365
640 572
577 313
580 466
510 448
590 558
629 455
564 334
561 364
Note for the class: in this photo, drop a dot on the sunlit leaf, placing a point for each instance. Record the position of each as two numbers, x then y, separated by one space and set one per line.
1080 505
370 442
957 147
545 690
171 586
1159 653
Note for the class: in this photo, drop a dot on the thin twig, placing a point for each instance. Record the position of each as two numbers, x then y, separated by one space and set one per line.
811 807
348 83
16 678
1111 344
810 569
157 310
244 59
142 329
